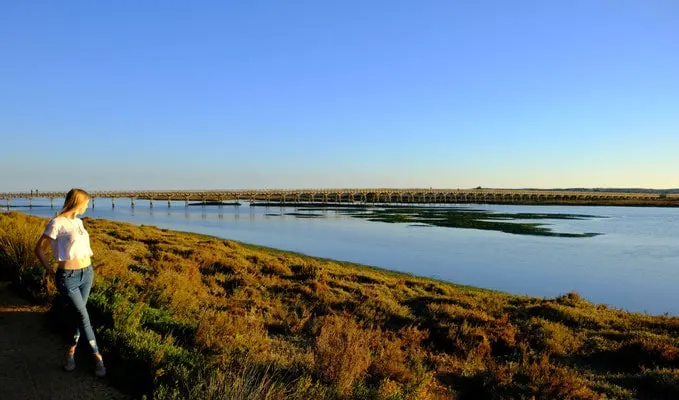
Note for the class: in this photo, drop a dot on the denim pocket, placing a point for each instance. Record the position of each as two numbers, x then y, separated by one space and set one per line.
63 276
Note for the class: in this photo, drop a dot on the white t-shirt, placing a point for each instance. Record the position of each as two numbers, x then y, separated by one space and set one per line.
70 239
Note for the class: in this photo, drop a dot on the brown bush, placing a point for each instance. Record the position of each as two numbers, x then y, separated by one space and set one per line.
18 263
182 292
342 353
399 356
502 334
470 339
553 338
547 381
570 299
233 332
297 318
646 351
307 270
389 360
273 266
537 379
389 389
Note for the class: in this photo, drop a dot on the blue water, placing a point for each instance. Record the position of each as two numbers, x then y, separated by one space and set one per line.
633 265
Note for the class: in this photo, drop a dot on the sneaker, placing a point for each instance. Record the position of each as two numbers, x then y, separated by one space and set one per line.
69 365
99 369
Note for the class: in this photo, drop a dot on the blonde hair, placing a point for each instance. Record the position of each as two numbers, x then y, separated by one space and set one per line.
74 198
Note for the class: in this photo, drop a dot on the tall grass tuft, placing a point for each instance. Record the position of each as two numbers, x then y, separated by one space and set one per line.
18 262
245 379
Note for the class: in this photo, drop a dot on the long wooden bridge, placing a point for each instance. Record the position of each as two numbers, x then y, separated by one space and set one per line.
366 196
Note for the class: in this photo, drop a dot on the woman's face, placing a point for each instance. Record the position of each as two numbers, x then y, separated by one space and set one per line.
83 207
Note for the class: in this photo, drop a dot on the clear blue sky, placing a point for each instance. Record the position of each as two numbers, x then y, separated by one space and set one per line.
370 93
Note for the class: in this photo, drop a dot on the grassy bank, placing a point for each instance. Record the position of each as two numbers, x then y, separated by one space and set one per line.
190 316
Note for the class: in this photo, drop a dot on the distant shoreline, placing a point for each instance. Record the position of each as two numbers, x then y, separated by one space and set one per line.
662 203
621 203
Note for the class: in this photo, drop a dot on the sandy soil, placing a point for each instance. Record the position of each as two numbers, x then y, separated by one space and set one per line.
31 356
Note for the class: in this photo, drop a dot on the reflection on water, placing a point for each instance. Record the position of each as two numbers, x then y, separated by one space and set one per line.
631 265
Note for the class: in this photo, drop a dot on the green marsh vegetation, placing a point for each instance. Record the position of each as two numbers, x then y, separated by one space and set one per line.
455 217
189 316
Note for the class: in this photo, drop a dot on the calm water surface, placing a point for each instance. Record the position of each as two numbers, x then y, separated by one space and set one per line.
633 265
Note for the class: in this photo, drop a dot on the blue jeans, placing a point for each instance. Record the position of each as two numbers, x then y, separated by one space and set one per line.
75 284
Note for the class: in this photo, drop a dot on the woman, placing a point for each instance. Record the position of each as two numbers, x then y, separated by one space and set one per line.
70 244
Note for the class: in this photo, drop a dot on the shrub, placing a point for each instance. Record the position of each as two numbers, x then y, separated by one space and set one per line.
389 390
554 338
307 271
18 262
389 360
342 353
232 333
181 292
535 379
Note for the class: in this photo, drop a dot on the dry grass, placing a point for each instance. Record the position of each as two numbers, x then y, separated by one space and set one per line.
190 316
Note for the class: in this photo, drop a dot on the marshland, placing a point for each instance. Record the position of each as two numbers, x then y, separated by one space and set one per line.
185 315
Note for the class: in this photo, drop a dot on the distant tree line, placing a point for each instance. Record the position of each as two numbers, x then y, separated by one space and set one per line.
616 190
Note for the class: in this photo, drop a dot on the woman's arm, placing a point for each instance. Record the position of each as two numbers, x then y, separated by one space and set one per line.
42 242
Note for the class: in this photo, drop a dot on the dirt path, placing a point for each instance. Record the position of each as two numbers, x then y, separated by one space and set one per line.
31 355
